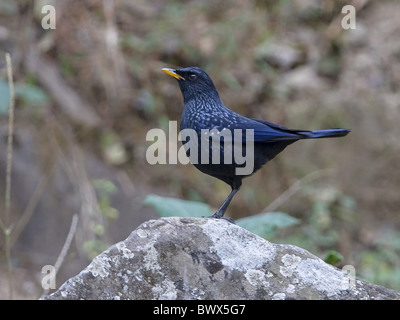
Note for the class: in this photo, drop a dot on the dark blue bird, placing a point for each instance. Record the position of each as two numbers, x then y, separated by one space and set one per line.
204 111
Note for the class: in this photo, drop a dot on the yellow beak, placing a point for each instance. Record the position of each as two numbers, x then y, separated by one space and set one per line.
172 73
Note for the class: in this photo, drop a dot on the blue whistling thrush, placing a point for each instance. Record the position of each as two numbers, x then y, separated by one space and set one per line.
206 115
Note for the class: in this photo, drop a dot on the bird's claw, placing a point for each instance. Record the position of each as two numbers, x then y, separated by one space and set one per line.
229 219
215 216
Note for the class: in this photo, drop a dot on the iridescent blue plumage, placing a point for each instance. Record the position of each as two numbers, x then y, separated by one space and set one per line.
204 110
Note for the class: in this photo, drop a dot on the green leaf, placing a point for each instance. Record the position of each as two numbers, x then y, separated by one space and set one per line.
171 207
333 257
266 224
104 186
31 94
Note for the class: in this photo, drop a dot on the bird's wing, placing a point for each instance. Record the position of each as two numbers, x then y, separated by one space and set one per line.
263 131
268 131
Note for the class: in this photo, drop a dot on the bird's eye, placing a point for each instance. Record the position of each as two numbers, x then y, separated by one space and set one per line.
192 77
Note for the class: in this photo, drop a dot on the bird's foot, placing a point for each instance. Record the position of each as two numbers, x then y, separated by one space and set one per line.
218 216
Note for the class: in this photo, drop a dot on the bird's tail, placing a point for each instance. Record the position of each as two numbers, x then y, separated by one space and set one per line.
328 133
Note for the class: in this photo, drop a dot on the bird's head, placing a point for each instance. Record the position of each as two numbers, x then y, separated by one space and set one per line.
194 82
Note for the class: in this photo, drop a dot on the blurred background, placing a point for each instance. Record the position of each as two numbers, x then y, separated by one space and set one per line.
87 92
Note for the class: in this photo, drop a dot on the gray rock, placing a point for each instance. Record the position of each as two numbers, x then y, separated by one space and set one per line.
191 258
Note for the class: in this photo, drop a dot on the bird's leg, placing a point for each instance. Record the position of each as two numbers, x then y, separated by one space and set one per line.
221 211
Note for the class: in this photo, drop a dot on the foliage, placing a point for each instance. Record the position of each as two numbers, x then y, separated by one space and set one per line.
333 257
263 225
266 224
171 207
30 95
381 262
105 189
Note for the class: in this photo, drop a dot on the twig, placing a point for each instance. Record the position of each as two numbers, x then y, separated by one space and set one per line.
6 226
10 141
65 248
67 244
294 188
